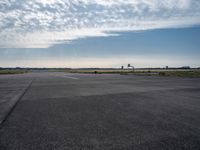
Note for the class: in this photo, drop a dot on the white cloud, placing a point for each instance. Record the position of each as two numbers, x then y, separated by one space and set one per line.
43 23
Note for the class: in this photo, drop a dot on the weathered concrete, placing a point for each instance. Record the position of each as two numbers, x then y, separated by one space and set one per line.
103 112
12 88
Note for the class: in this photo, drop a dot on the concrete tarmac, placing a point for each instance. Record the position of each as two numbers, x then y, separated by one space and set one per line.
61 111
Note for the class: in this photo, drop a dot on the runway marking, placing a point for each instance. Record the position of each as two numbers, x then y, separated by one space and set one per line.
72 77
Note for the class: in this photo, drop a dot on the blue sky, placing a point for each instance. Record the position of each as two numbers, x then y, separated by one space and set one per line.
99 33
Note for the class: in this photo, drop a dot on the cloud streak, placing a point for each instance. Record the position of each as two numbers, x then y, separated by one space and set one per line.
43 23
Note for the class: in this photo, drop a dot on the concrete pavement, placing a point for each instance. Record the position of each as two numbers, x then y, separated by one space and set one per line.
100 112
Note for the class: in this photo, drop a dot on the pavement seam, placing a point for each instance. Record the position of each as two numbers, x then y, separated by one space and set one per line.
14 106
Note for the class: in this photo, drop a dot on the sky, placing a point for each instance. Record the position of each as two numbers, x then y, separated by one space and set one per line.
99 33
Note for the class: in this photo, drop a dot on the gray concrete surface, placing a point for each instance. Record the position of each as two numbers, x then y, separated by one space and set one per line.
100 112
12 88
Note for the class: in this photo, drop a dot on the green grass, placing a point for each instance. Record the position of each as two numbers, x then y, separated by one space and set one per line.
161 72
102 71
4 72
123 72
180 73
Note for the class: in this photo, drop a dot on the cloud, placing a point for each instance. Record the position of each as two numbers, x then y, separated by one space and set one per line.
43 23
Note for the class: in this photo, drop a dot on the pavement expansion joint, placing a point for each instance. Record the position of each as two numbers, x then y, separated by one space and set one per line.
9 110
